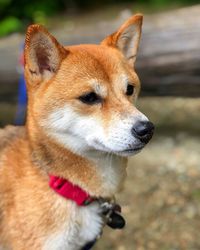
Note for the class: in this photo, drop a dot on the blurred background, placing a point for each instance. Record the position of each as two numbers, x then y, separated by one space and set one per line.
161 199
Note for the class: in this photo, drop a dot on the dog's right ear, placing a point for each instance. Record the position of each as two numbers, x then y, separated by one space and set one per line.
43 54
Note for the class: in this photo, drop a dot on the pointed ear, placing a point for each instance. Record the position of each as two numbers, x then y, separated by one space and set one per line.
43 54
127 38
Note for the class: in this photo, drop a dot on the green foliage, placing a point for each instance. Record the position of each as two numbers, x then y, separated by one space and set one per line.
15 14
9 25
4 4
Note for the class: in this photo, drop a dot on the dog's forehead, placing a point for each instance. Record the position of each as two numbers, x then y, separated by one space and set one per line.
96 62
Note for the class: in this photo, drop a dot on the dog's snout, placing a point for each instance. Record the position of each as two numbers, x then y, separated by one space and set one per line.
143 131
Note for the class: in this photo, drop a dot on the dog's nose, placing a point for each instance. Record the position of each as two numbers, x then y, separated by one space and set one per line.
143 131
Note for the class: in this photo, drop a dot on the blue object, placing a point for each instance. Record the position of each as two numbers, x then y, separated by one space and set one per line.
22 102
22 96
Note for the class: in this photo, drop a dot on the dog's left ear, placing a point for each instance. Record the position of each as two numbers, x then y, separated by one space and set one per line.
127 38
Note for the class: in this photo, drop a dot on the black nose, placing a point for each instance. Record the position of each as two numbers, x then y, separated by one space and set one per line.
143 131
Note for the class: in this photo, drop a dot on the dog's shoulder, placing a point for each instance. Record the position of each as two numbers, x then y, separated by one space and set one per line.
9 134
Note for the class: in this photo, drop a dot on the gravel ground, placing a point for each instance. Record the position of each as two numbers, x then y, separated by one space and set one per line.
161 201
161 197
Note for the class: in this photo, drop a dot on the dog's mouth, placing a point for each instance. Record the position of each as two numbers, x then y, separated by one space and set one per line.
127 152
131 150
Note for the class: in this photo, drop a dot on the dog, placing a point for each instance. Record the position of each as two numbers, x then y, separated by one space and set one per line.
82 125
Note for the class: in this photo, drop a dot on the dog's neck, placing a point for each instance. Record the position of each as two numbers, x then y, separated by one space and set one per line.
99 174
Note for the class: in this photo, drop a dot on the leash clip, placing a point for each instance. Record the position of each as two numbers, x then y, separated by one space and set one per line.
112 215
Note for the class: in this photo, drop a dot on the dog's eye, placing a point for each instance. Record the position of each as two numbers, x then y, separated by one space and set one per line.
90 98
129 90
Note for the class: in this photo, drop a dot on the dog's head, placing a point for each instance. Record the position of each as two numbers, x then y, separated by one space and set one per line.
84 96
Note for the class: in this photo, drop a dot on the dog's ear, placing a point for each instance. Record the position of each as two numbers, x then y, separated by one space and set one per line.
43 54
127 38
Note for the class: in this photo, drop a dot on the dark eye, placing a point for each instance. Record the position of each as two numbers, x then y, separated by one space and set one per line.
90 98
129 90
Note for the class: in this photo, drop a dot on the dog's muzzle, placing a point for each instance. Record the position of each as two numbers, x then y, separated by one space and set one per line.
143 131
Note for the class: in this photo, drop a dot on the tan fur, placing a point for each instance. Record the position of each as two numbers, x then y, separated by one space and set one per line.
29 209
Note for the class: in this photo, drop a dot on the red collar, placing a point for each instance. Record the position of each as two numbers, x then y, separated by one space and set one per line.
69 191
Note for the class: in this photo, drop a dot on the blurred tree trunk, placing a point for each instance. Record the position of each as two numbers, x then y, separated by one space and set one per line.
169 58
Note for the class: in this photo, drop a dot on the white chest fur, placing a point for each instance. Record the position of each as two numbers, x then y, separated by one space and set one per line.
82 225
112 169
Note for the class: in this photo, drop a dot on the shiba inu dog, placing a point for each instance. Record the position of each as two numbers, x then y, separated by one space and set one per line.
82 124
